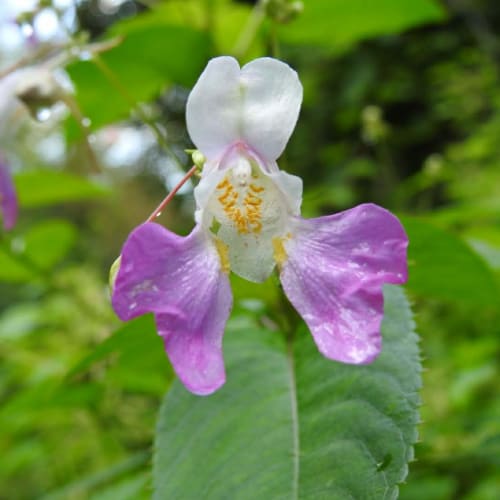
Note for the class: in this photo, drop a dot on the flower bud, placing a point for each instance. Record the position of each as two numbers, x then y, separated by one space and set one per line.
284 11
374 128
198 158
113 271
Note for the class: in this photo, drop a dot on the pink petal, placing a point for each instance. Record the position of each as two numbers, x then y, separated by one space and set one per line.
8 197
181 281
334 274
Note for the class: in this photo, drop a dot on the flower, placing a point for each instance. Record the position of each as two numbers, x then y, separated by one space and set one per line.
248 221
8 197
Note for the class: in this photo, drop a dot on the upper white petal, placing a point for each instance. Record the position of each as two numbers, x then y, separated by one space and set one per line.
212 108
272 99
258 105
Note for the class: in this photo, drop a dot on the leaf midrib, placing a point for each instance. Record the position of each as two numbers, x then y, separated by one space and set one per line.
295 422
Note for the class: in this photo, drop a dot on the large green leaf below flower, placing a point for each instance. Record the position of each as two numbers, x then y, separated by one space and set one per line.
290 424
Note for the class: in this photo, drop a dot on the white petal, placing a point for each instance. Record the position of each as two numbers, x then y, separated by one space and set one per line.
204 191
213 107
245 211
272 99
291 188
257 105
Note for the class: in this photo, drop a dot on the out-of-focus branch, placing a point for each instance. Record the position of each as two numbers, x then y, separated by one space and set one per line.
249 31
129 99
53 56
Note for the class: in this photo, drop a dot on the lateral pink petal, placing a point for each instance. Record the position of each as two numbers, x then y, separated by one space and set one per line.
181 281
336 268
8 197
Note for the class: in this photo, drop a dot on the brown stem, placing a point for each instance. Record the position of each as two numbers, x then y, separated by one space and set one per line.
166 201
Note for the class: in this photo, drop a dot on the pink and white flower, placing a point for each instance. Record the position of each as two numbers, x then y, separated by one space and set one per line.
248 221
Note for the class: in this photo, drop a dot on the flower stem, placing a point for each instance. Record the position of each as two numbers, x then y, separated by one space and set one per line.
249 31
114 80
75 110
274 45
166 201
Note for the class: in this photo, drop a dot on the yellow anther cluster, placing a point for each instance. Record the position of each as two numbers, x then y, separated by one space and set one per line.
248 218
253 207
279 251
223 251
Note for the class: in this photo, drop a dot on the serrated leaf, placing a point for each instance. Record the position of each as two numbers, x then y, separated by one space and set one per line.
338 24
291 424
44 187
442 265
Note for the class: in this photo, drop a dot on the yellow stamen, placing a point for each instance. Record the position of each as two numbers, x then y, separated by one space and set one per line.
252 201
223 251
225 196
248 216
224 183
256 189
280 255
258 227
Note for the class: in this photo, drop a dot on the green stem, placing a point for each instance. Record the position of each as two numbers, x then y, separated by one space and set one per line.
274 41
74 109
115 82
388 177
210 16
249 32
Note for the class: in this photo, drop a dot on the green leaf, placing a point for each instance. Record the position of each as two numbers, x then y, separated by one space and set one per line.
49 241
132 488
81 487
44 187
19 320
442 265
153 53
291 424
141 366
37 251
338 24
224 19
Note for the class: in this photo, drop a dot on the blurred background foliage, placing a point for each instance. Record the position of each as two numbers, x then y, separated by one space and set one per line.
401 107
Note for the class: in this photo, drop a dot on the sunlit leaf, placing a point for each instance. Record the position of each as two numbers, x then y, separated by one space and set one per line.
225 21
19 320
442 265
34 253
292 424
337 24
43 187
154 53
